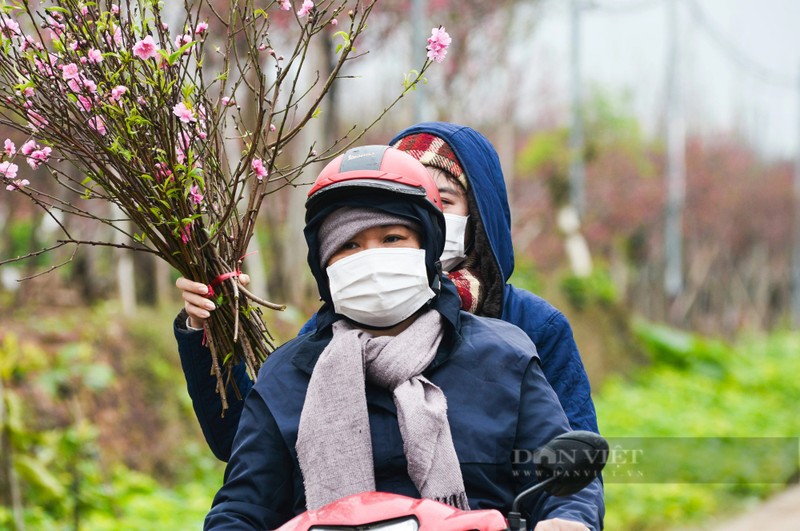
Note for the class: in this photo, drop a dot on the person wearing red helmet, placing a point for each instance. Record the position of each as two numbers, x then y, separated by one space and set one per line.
391 391
478 257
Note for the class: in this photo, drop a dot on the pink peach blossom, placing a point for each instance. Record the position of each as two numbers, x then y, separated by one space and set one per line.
9 148
84 102
117 93
36 120
186 233
201 28
28 147
89 85
29 42
306 8
195 195
9 27
182 146
259 169
44 68
180 40
70 71
184 113
55 27
98 125
286 5
145 48
39 157
438 43
8 170
95 56
162 171
18 184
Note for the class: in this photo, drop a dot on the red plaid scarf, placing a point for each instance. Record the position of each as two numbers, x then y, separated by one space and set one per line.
469 289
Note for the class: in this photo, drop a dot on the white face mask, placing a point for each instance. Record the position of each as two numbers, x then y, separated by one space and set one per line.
380 287
454 244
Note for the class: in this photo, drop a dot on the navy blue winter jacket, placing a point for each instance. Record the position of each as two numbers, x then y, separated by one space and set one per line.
498 400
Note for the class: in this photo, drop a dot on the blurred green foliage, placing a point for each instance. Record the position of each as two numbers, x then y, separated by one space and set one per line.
597 288
526 275
20 238
73 397
699 387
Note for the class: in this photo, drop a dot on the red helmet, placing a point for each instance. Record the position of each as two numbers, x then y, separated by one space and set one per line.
380 167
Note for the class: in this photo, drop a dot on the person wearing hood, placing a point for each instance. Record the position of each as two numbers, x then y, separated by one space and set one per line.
390 392
479 257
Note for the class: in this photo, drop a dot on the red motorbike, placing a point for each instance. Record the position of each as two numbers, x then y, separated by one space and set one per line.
566 464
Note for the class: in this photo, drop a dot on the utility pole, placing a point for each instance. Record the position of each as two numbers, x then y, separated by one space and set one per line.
419 10
796 227
577 171
676 163
569 215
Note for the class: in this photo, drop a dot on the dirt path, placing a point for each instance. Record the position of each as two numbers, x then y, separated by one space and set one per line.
779 513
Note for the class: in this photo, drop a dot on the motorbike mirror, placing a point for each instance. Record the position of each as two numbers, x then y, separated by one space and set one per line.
572 459
565 465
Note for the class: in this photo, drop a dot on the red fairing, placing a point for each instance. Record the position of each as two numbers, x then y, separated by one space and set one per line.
372 507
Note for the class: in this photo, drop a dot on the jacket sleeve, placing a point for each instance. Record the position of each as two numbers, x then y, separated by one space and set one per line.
257 493
540 420
564 370
202 386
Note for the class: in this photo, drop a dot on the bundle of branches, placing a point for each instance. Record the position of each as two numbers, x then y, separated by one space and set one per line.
128 101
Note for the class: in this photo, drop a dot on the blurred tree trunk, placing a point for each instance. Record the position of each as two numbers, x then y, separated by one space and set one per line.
163 285
575 246
126 280
289 279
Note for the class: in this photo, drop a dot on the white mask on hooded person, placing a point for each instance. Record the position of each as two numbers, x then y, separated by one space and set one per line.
454 245
380 287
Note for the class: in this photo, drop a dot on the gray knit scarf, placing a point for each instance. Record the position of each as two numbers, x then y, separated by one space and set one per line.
334 447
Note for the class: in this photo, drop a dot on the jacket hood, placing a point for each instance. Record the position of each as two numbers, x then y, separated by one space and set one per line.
481 164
